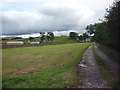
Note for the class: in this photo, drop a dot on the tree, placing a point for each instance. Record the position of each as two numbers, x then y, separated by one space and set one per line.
80 37
50 36
31 38
85 35
112 19
73 35
42 33
108 31
90 29
99 34
42 36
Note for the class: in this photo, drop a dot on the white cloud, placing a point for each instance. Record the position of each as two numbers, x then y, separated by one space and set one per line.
54 15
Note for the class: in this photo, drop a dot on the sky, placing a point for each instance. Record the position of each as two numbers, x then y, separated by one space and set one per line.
58 16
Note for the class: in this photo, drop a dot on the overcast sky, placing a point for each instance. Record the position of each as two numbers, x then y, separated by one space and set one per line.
60 16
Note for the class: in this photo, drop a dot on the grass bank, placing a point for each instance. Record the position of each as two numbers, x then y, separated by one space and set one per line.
41 67
114 55
111 76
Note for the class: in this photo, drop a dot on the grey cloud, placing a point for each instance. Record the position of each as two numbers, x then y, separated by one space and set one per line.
48 20
52 17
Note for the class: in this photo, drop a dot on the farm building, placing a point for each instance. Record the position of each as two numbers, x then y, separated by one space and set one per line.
82 41
15 43
33 43
87 40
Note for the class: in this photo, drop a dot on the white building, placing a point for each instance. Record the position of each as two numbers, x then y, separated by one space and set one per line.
87 40
15 43
33 42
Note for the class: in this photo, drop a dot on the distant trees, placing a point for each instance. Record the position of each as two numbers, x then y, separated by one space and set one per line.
73 35
42 36
80 37
101 34
50 36
31 38
90 29
85 35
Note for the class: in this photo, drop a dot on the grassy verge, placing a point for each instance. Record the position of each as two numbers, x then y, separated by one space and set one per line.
111 76
111 53
41 67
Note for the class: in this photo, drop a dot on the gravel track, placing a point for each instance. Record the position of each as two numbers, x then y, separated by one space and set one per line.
91 74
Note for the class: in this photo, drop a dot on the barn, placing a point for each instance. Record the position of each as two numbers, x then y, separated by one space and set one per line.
15 43
33 42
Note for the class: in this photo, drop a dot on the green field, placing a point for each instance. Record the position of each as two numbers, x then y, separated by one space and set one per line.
57 39
64 39
42 66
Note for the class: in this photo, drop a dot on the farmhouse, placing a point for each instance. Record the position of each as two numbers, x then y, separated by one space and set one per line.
33 43
82 41
15 43
87 40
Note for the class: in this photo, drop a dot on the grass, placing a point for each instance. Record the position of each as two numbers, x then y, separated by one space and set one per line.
63 39
110 76
41 67
57 39
111 53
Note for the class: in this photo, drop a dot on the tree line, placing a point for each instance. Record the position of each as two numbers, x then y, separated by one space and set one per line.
75 36
49 36
108 31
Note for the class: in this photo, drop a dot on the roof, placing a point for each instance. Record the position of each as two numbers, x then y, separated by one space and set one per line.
15 42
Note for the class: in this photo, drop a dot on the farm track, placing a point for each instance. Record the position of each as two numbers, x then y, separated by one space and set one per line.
113 65
92 77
